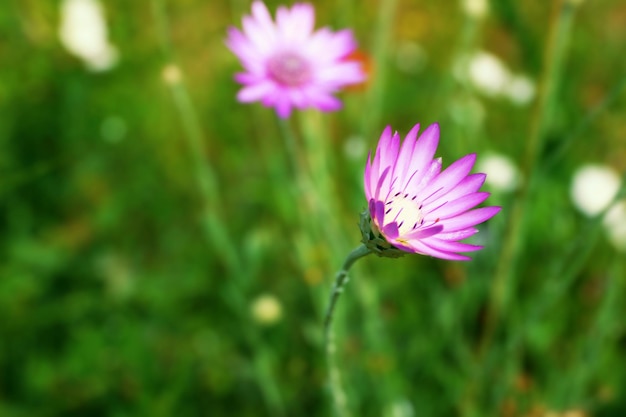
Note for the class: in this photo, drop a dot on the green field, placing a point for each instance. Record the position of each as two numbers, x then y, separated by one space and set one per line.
169 251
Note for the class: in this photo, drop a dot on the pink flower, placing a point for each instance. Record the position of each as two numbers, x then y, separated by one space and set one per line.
417 207
287 64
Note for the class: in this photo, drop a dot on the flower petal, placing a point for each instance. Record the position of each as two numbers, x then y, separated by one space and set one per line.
255 92
451 246
425 249
423 154
407 185
458 235
468 185
389 150
423 233
405 155
385 138
449 178
390 231
469 218
381 182
263 45
453 208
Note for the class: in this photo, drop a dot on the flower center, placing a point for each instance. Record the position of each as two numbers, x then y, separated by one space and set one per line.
289 69
405 210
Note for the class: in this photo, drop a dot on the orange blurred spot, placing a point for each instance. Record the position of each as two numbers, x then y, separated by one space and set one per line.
366 62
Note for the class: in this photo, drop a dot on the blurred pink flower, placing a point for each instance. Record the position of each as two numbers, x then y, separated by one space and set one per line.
417 207
287 64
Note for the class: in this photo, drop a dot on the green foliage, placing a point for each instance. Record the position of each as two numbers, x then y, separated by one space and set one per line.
132 256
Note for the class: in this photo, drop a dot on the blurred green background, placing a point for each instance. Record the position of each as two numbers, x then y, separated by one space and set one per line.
163 254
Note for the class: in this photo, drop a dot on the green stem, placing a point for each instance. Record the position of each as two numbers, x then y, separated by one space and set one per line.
291 145
614 94
381 42
340 280
212 224
338 394
506 268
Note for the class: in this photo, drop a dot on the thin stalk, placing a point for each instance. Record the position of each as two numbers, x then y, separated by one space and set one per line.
337 391
613 95
449 87
291 145
212 224
592 346
504 280
319 155
320 162
381 42
206 179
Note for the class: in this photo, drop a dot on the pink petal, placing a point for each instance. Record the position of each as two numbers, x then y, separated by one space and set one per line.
263 18
451 246
468 185
469 218
367 183
423 233
423 153
239 44
295 25
381 182
421 247
333 77
455 207
283 106
390 231
255 92
420 179
376 166
390 152
262 37
298 98
378 210
458 235
341 45
404 157
449 178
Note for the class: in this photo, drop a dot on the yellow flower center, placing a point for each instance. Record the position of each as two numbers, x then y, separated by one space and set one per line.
406 211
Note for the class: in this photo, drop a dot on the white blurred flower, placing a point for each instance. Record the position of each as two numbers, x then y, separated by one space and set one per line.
266 309
83 32
172 74
400 408
502 174
593 188
488 74
354 147
615 224
475 8
520 90
491 77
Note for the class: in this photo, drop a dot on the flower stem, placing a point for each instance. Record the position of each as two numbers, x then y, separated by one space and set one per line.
505 271
614 94
291 145
340 281
338 394
380 51
212 224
